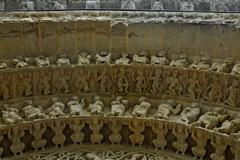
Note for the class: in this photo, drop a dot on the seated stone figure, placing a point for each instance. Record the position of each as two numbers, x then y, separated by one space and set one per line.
103 58
236 69
75 107
140 58
96 108
124 60
166 109
141 110
224 67
42 61
84 58
181 61
212 119
229 126
190 114
31 112
10 115
63 60
56 109
160 59
20 62
118 106
203 63
3 65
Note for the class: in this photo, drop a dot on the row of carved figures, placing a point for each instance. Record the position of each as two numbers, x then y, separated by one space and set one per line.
217 119
137 137
124 80
202 62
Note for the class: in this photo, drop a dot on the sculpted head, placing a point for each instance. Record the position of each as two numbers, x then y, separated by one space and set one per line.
97 98
74 98
119 98
142 99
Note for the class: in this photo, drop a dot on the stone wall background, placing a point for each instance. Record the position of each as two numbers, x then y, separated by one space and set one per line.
169 5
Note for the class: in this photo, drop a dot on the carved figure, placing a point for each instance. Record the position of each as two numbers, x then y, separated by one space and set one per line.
122 81
76 126
59 137
141 110
194 88
1 149
42 61
63 60
128 4
92 156
24 84
140 80
186 6
211 119
181 61
4 87
115 137
3 65
104 80
56 109
157 6
43 84
203 63
157 82
84 58
174 86
215 90
123 60
181 133
37 130
103 58
160 129
140 58
10 115
236 69
225 67
137 127
160 59
201 138
75 107
190 114
220 147
233 93
15 135
166 109
118 106
96 125
20 62
229 126
31 112
96 108
82 80
62 82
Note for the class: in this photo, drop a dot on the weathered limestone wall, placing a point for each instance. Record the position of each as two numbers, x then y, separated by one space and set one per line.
31 34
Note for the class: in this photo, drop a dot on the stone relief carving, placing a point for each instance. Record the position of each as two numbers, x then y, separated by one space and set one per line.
96 125
37 130
43 84
63 60
141 109
122 83
84 58
140 58
96 108
118 106
181 61
5 86
10 115
20 62
115 137
75 106
32 112
76 126
59 137
14 135
103 58
181 133
140 80
137 127
123 60
82 77
103 78
62 79
23 84
56 109
160 129
42 61
160 59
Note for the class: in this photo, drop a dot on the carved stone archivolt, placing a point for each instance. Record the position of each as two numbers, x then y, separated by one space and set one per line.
121 104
